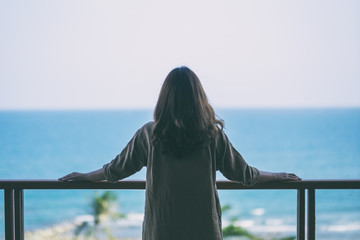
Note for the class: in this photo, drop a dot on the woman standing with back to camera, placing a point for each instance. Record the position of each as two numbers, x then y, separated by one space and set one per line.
182 149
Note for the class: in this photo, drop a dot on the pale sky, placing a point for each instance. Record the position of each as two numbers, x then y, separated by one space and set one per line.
115 54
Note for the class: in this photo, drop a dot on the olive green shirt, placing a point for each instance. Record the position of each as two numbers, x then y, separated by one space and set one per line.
181 196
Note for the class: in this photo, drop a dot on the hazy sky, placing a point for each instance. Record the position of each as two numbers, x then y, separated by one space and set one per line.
115 54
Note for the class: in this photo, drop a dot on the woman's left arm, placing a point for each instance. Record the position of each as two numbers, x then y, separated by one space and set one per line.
94 176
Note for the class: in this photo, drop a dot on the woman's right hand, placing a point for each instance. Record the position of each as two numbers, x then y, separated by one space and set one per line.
74 176
97 175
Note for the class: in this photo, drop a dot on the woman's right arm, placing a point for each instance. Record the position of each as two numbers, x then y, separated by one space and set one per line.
272 177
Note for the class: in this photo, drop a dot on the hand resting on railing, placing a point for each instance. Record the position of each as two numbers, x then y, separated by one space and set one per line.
277 177
94 176
98 175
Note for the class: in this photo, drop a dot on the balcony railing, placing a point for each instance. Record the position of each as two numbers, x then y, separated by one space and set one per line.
14 198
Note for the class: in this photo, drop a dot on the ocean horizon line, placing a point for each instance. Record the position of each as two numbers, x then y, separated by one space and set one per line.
151 109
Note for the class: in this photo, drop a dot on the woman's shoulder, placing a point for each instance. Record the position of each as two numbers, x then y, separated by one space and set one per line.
144 134
220 137
148 126
146 129
219 132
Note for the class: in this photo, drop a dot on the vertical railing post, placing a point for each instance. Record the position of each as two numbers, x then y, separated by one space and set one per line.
9 214
19 214
300 214
311 214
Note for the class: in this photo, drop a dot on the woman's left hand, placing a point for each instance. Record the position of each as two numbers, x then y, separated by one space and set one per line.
75 176
283 176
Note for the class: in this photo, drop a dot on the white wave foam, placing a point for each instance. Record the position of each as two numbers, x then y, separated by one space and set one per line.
83 218
258 211
245 223
355 226
274 221
131 220
270 226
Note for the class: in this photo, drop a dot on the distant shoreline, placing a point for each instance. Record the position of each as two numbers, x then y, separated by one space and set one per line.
285 108
131 226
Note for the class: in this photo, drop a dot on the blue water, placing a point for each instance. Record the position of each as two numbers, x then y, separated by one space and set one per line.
314 143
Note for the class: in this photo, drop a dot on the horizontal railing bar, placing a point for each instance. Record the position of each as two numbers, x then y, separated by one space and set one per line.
126 184
14 212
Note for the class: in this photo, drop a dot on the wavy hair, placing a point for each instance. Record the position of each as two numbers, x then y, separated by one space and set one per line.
183 117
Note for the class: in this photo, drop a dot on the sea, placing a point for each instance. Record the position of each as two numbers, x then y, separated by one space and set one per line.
314 143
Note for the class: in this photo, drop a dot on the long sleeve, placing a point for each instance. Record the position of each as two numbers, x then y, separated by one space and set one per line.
231 164
131 159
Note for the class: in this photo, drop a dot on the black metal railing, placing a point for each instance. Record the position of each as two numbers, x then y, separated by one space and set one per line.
14 198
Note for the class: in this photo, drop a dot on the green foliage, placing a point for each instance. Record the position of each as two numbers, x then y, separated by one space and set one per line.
102 206
232 230
286 238
225 208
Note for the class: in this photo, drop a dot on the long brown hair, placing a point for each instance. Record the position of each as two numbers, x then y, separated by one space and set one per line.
183 117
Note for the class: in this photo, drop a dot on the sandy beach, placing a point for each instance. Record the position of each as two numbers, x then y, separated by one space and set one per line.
129 228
